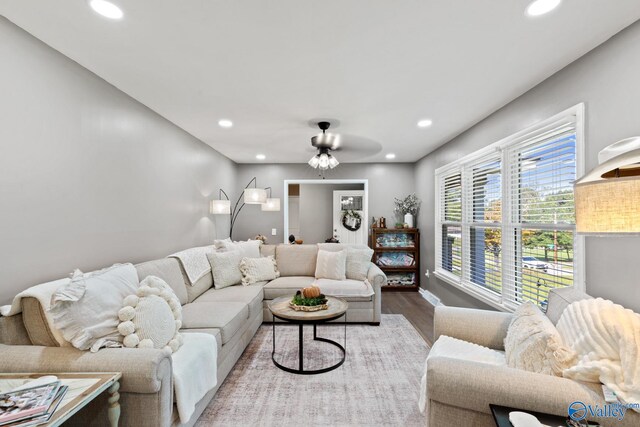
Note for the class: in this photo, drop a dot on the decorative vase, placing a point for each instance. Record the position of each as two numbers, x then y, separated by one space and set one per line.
408 219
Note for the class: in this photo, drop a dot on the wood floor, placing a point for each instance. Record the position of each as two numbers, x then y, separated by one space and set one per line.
416 309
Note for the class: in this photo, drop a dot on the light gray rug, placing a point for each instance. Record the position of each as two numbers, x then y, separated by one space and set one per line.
378 384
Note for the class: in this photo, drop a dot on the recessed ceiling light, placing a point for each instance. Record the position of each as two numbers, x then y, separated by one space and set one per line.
224 123
540 7
425 123
260 156
106 9
390 156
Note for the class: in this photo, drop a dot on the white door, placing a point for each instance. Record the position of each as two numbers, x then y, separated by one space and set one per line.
356 201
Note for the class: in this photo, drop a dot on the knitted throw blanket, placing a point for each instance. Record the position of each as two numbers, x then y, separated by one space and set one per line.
606 337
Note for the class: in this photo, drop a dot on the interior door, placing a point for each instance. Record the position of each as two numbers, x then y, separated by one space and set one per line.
354 200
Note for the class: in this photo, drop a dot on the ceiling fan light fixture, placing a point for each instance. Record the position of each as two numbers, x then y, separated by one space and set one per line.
314 162
324 142
323 161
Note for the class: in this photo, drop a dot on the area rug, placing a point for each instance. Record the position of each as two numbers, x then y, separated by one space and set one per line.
378 384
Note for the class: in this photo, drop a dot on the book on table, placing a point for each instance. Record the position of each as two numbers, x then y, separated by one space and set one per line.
31 405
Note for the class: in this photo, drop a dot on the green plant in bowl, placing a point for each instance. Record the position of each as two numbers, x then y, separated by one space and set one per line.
299 299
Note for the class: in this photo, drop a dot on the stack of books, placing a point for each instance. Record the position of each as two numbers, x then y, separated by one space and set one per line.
31 404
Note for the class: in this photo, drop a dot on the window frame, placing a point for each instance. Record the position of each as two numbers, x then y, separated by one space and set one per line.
502 149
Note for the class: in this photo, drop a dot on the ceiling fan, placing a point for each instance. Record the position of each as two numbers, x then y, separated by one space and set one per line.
325 143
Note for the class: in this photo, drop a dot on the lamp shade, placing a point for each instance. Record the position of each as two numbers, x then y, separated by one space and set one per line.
218 207
607 199
255 196
271 205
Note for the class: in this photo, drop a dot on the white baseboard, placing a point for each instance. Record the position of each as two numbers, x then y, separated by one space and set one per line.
434 300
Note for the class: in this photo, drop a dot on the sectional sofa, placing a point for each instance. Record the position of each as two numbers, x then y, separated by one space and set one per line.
232 315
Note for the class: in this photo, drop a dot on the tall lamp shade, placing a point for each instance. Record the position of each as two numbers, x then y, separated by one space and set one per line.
218 207
271 205
255 196
607 199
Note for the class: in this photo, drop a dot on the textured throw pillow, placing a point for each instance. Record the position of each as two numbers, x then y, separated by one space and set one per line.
225 267
248 249
258 269
152 317
358 262
533 343
85 311
331 265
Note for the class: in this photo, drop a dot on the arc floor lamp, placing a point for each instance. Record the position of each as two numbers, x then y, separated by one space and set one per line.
249 196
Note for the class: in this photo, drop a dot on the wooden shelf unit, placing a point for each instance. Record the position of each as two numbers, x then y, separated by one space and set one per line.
378 244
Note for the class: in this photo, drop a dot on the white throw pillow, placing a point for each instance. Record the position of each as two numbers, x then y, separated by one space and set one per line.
248 249
225 267
358 262
258 269
152 317
533 343
331 265
86 310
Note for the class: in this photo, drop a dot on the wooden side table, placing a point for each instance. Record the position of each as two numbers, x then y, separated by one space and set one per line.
83 388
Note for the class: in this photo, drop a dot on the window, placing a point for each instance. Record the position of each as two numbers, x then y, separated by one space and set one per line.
505 226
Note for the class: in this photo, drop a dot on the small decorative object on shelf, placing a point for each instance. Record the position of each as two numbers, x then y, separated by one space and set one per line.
309 299
262 238
383 222
292 239
397 253
407 208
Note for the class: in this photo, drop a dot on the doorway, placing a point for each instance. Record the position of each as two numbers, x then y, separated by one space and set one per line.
316 210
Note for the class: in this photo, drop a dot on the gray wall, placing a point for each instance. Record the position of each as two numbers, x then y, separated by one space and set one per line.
386 181
607 81
89 176
316 210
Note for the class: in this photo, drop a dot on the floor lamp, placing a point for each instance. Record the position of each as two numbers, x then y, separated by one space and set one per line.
249 196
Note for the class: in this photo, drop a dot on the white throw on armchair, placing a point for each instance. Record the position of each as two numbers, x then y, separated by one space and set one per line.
459 391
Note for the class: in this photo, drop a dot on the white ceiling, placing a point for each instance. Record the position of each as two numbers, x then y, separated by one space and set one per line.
378 66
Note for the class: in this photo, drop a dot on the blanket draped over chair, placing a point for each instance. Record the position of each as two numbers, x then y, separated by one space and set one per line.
606 337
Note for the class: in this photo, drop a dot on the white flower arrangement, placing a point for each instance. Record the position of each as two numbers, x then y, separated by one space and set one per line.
410 204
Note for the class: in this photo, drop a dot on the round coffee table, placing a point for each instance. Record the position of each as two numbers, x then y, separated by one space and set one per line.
280 309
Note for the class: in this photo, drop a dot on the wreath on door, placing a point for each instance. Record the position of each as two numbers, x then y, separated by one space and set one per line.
351 220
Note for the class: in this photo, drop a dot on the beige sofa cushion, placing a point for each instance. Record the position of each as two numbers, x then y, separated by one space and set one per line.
169 270
252 295
36 324
226 316
201 286
296 260
345 288
268 250
286 286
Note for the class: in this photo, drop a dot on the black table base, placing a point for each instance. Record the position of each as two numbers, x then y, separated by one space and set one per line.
301 370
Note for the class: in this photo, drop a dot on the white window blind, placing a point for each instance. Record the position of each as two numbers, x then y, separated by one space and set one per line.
542 222
483 223
450 230
505 231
